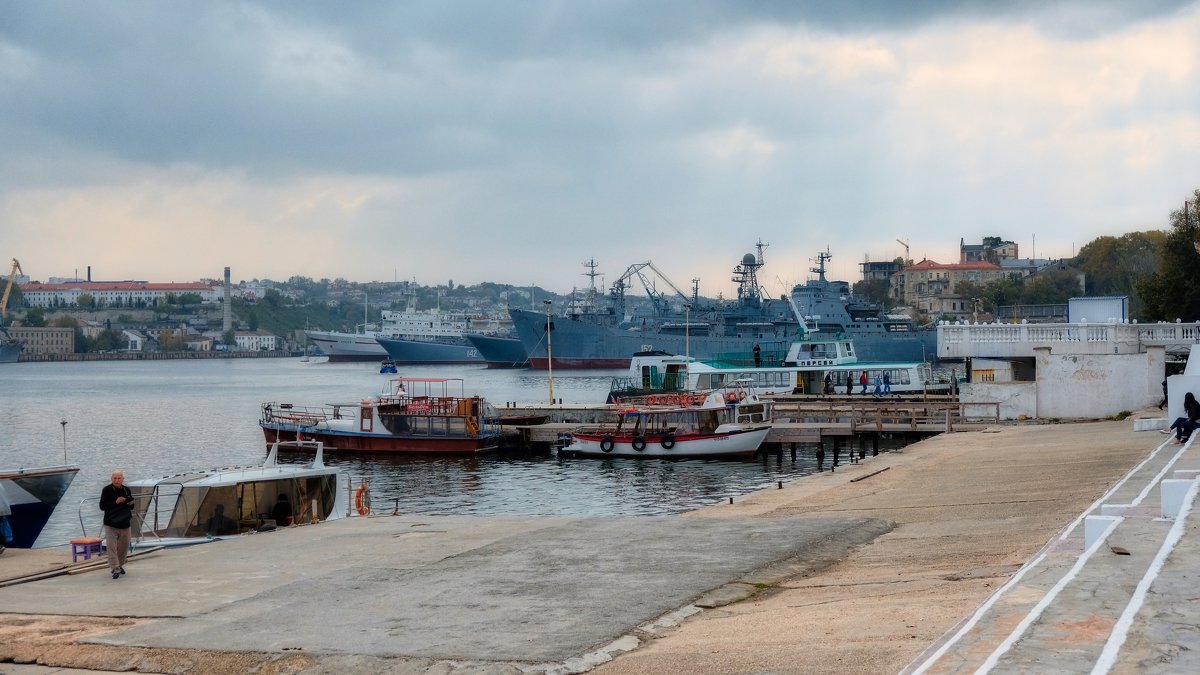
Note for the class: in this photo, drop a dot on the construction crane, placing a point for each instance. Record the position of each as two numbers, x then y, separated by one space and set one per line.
907 257
16 267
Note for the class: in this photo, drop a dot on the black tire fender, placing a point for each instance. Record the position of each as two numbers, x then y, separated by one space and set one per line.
667 442
638 443
606 444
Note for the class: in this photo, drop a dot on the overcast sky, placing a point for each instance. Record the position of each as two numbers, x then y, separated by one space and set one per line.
511 141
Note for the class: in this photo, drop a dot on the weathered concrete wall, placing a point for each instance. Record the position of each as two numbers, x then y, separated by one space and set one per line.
1015 398
1095 385
1071 386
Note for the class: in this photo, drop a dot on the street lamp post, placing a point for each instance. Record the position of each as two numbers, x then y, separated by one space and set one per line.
64 427
687 332
549 354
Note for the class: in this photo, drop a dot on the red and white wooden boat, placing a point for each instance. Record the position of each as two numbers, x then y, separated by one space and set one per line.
726 422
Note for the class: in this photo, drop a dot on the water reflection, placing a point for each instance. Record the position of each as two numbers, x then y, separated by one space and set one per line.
157 418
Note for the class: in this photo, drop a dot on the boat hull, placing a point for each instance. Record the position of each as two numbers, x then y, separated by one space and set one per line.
379 444
730 444
420 352
499 352
346 346
578 344
33 494
10 350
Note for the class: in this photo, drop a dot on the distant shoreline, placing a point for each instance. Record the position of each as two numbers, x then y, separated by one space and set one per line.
155 356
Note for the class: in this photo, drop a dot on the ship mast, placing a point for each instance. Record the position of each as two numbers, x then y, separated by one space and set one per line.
822 257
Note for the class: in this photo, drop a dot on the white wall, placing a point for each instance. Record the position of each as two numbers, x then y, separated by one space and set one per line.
1085 386
1094 385
1016 399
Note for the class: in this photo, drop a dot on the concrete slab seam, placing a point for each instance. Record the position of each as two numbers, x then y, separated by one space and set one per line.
1120 632
1048 598
966 626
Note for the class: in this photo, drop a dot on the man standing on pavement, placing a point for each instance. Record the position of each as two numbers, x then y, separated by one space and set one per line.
116 501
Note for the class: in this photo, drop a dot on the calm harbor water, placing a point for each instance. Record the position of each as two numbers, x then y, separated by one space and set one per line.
157 418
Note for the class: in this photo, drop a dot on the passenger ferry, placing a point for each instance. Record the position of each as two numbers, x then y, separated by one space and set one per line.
801 370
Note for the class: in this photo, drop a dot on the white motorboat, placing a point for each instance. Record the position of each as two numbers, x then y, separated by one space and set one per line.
200 506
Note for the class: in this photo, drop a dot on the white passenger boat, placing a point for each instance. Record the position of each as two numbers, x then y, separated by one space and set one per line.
725 422
199 506
801 370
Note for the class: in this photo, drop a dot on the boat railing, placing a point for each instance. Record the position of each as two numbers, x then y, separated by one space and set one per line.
145 521
437 406
767 357
667 382
298 415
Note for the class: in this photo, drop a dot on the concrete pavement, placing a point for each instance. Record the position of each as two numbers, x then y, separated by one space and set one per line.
956 554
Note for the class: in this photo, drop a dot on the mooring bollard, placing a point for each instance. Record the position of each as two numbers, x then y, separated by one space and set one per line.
780 485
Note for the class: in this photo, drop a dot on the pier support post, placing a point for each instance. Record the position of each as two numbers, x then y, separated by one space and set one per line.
837 450
821 455
793 451
875 445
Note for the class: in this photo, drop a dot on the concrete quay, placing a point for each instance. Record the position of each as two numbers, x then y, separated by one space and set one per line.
964 552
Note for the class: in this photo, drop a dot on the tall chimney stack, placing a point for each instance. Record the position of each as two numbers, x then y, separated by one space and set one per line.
89 273
228 323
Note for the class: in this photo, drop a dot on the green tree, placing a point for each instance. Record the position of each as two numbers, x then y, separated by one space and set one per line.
86 301
1171 292
107 340
1114 265
170 342
252 320
229 338
35 317
185 299
874 290
1052 286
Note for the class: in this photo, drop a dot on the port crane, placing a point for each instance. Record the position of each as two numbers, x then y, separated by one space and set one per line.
12 276
907 257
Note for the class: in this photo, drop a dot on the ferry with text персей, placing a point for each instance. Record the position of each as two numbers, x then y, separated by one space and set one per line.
802 370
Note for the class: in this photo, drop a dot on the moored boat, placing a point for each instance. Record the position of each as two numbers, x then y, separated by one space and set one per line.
414 415
433 350
32 494
10 348
728 422
595 334
198 506
802 369
499 351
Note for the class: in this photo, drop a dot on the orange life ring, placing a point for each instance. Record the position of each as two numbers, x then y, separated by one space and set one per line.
362 499
731 397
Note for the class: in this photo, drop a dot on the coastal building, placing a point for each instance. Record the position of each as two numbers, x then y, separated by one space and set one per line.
134 341
930 286
114 293
44 339
257 340
197 343
992 249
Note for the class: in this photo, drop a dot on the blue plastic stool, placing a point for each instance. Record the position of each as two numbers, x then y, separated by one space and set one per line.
85 546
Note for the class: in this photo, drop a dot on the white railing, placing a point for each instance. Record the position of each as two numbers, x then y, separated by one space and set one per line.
997 339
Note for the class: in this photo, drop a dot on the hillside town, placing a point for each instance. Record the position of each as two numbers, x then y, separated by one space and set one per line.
58 316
